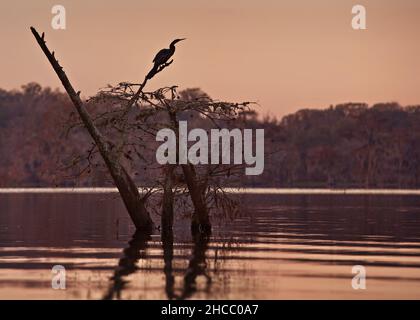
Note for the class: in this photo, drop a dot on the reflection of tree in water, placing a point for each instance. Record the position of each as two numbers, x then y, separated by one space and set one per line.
128 263
168 256
196 267
137 250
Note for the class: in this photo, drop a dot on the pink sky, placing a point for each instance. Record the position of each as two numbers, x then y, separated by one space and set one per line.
286 55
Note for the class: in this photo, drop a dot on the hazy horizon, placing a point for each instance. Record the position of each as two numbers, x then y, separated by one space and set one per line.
285 56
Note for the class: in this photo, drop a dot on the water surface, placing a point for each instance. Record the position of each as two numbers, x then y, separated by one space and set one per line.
281 246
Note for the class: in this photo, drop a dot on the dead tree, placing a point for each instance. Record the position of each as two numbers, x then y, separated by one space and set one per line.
128 190
164 108
131 119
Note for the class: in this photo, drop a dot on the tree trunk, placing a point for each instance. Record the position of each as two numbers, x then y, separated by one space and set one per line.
168 200
200 220
126 186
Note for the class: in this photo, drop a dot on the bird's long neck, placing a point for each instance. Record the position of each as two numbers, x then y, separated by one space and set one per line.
172 47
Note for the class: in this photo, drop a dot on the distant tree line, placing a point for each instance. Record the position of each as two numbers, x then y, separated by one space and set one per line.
347 145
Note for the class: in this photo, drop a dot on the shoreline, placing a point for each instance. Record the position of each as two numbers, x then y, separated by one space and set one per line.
274 191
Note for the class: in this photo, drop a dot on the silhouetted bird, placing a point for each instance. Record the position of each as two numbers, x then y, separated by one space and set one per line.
163 57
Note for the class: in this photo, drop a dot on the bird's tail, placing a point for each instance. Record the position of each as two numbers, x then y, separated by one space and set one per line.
152 72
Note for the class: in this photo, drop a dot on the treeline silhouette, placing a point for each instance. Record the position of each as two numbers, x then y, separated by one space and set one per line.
347 145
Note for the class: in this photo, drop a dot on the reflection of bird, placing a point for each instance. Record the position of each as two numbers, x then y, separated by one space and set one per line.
162 57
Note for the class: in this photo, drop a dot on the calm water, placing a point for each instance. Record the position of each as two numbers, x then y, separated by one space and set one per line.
282 246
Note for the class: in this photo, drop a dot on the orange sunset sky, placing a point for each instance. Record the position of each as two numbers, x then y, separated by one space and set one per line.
286 55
